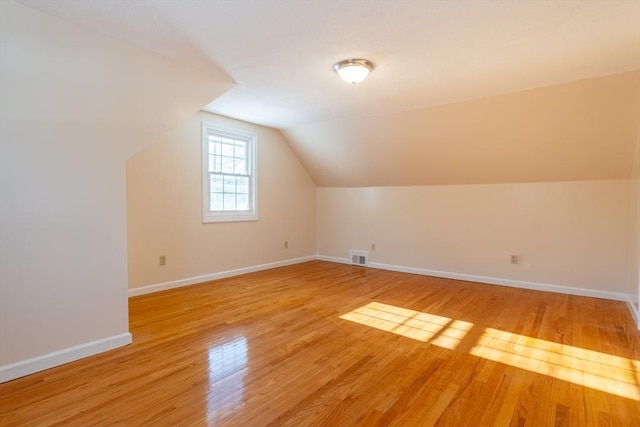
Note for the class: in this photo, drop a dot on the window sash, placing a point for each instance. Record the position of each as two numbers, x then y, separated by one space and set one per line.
236 193
238 156
229 158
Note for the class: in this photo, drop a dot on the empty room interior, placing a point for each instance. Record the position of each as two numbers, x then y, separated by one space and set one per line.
329 213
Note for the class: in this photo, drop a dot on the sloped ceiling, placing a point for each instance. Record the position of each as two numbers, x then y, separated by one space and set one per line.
432 58
66 75
583 130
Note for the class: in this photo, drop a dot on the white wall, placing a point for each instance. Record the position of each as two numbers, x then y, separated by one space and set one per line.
633 282
566 234
74 105
165 210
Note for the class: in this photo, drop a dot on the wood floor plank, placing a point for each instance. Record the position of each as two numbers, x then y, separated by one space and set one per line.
323 344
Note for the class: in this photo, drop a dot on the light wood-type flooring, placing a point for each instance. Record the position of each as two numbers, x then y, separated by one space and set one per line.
326 344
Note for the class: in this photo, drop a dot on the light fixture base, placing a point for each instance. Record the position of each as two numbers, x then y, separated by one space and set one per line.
353 70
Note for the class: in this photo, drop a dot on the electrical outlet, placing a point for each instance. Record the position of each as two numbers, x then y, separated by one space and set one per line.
373 246
286 244
514 259
163 260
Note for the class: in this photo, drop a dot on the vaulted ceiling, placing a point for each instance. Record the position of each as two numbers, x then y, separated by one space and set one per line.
462 92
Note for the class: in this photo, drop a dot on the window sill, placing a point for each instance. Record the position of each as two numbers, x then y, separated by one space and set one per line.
229 218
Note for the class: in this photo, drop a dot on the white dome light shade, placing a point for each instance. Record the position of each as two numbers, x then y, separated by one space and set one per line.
353 70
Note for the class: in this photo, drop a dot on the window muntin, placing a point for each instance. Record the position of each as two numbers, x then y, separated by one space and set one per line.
229 159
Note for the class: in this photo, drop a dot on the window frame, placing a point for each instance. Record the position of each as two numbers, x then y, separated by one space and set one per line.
252 148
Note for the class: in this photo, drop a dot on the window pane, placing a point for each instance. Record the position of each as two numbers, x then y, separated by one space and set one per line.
217 164
227 165
241 150
242 185
229 184
243 202
241 166
229 202
216 184
226 150
214 145
216 202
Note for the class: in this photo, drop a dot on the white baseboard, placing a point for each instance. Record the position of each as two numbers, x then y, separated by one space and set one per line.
634 311
57 358
213 276
490 280
333 259
403 269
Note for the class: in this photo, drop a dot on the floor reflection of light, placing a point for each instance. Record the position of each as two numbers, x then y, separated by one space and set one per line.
227 368
438 330
600 371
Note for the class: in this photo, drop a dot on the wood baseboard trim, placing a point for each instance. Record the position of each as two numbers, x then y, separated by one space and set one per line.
490 280
133 292
30 366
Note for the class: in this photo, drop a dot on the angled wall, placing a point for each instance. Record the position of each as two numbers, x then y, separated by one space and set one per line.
164 192
74 106
543 174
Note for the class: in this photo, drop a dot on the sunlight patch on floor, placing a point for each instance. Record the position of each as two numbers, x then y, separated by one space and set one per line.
425 327
600 371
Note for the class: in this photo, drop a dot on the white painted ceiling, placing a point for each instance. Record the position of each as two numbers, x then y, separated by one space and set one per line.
448 101
427 53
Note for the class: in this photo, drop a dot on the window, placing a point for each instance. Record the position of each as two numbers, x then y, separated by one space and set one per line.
228 175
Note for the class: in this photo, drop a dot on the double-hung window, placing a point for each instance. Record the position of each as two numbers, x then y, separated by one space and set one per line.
228 175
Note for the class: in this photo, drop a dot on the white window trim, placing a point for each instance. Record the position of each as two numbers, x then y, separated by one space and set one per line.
228 216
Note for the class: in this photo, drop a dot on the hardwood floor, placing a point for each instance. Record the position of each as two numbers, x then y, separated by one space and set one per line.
335 345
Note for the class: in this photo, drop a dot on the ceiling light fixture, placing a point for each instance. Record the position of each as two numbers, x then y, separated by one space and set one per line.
353 70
